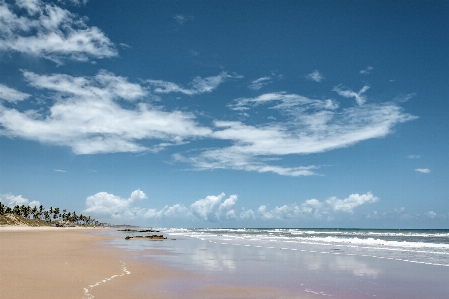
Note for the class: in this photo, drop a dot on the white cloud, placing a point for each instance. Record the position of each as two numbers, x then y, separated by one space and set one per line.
60 170
423 170
259 83
367 71
413 156
87 116
309 126
106 113
109 205
212 208
247 214
431 214
315 209
348 204
11 95
284 102
14 200
359 97
51 32
405 98
197 86
73 2
315 76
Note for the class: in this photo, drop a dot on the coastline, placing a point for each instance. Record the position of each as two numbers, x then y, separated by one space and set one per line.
78 262
46 262
88 263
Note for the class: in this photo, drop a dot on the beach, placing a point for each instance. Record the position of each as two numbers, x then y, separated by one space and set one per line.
99 263
72 263
47 262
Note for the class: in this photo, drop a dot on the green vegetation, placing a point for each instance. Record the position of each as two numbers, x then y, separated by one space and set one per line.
38 216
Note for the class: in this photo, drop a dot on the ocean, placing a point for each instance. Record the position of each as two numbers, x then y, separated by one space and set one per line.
414 246
306 263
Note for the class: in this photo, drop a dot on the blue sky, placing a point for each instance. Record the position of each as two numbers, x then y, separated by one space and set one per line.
228 114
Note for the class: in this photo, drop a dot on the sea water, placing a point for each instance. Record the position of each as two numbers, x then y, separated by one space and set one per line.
309 263
414 246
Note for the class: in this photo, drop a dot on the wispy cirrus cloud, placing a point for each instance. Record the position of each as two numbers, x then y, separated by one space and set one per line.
307 126
197 86
359 97
422 170
367 70
259 83
315 76
181 19
106 113
405 98
49 31
12 95
413 156
87 116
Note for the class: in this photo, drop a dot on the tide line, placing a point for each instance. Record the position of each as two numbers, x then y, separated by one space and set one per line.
87 290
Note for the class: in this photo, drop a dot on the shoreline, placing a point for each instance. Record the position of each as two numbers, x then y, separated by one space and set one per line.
48 262
97 263
71 262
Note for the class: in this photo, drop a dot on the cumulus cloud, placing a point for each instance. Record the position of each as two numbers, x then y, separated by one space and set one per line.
247 214
87 116
423 170
209 209
359 97
315 209
212 208
315 76
49 31
197 86
110 205
367 70
14 200
11 95
348 204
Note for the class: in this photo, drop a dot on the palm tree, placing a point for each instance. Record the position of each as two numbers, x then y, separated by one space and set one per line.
47 216
55 213
41 211
34 211
16 210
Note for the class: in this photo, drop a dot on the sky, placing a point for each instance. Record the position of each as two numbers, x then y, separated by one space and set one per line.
228 113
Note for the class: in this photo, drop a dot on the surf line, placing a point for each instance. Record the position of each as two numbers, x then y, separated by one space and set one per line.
87 290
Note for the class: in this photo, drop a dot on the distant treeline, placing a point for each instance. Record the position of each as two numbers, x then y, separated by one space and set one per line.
49 215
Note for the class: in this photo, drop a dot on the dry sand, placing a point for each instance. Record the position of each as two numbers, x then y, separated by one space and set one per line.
70 263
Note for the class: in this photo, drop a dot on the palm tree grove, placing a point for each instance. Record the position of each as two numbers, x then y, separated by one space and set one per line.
40 216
